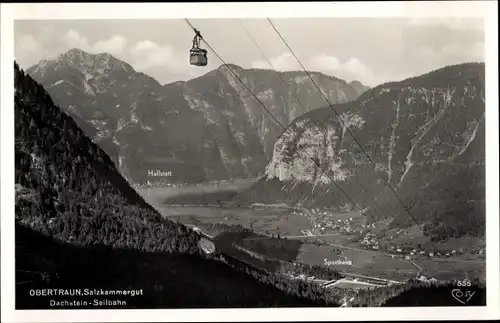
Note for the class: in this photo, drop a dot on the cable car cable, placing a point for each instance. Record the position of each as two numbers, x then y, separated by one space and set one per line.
260 102
284 128
304 109
350 132
340 119
347 128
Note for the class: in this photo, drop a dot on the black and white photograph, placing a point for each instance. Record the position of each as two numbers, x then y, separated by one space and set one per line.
199 156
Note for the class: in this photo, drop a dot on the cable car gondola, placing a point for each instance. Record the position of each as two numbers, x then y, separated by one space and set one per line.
197 55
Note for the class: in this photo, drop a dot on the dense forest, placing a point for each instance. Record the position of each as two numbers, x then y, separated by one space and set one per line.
456 207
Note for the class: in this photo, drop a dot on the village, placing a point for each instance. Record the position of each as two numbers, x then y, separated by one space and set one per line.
157 184
161 183
323 223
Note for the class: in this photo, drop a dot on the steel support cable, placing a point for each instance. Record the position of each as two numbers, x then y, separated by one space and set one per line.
262 104
340 119
365 190
326 99
350 132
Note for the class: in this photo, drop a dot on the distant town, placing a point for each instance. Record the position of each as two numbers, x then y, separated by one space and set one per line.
158 182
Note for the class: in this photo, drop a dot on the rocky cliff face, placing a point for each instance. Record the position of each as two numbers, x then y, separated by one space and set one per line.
424 134
210 127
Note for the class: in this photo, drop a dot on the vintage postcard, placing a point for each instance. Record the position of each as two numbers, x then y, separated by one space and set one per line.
249 161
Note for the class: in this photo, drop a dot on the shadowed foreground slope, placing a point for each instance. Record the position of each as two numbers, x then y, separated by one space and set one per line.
166 280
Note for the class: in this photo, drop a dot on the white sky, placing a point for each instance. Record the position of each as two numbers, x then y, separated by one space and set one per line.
371 50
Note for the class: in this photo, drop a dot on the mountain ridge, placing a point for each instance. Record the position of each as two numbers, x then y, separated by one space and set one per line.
130 110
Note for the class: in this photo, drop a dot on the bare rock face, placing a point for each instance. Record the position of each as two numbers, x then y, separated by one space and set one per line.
400 125
207 128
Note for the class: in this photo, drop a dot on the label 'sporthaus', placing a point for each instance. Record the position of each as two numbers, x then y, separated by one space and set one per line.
337 262
159 173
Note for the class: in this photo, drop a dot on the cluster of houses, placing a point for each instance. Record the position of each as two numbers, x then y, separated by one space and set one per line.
323 224
156 184
410 254
370 241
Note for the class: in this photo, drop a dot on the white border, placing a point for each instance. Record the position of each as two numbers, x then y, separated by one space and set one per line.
482 9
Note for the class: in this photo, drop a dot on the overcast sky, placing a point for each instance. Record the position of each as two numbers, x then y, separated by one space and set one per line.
371 50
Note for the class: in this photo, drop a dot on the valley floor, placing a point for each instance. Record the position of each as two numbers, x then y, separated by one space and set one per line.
341 240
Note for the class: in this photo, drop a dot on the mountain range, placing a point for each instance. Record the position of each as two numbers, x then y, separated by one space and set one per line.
424 136
79 225
207 128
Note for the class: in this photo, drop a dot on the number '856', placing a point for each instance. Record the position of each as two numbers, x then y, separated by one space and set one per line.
464 283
